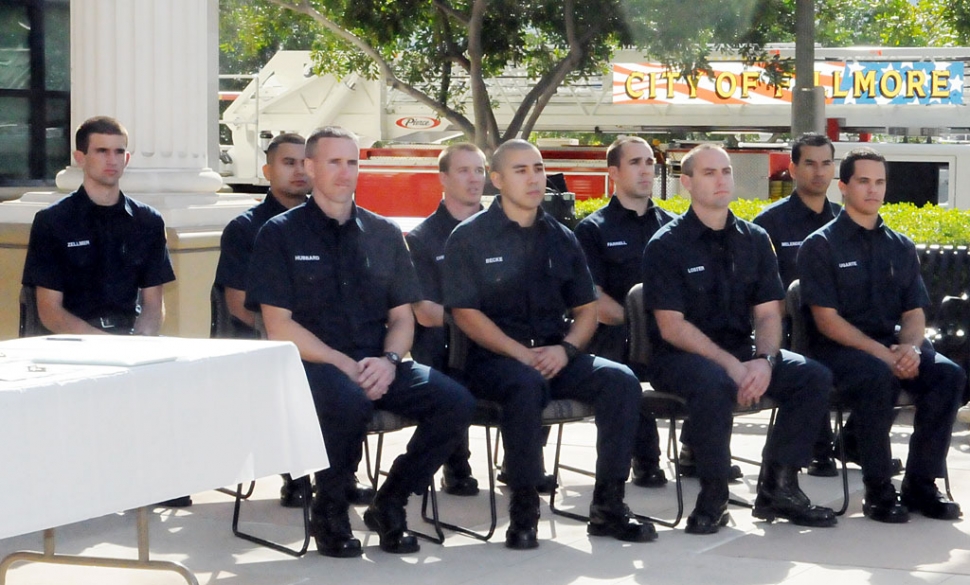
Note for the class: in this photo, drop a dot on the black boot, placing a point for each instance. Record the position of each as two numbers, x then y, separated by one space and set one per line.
609 516
330 527
386 516
523 528
648 473
359 494
294 490
780 497
881 502
921 495
710 512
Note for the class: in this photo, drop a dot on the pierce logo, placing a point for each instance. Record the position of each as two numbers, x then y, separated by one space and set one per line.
418 122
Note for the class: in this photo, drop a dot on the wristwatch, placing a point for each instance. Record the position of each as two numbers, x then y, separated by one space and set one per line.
571 350
392 357
772 359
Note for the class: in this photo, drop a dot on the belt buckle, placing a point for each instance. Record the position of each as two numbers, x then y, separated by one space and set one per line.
106 322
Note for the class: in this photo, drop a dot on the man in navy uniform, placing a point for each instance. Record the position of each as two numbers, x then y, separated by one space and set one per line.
461 170
788 222
288 187
707 278
613 239
337 281
512 273
861 281
98 258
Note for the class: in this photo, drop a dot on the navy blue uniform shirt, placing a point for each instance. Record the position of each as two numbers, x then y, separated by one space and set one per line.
238 239
523 279
97 256
613 239
426 242
339 281
714 278
871 277
788 222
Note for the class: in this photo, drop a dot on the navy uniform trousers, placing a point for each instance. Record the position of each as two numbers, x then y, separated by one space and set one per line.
611 389
800 387
867 385
441 407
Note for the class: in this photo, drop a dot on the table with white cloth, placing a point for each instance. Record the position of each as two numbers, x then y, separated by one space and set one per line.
91 425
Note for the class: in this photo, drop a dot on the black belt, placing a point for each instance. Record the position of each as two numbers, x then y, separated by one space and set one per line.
540 341
121 324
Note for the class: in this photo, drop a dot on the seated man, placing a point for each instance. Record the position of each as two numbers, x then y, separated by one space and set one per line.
862 280
461 169
288 187
95 253
707 278
511 274
98 258
613 239
337 281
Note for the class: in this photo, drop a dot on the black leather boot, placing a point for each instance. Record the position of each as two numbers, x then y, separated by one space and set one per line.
294 490
523 528
881 503
609 516
330 527
710 512
386 516
921 495
780 497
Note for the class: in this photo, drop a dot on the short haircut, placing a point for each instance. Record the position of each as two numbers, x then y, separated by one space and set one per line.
847 168
284 138
498 157
687 163
97 125
809 139
327 132
444 159
614 153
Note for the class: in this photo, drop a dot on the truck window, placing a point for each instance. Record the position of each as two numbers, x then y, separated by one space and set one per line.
917 182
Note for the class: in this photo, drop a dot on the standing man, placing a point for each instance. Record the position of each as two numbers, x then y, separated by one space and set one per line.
288 187
788 222
512 273
862 281
337 281
613 239
461 170
707 278
98 258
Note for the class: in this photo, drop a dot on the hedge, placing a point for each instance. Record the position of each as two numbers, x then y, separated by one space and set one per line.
930 224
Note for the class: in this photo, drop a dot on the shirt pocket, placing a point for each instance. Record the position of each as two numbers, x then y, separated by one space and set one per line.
855 294
137 248
81 254
315 282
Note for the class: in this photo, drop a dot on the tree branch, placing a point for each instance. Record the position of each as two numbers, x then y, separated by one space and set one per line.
452 12
304 7
484 117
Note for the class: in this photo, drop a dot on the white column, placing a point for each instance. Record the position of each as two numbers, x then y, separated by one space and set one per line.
145 62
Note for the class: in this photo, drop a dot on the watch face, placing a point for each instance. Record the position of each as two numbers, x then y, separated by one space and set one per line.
393 357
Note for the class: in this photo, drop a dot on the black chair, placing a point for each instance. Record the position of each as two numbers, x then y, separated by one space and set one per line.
30 324
557 413
800 343
220 326
670 407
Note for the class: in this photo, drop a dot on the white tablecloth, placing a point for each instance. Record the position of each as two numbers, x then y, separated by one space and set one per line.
78 441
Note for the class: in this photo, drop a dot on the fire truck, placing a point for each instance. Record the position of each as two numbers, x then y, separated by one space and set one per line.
889 91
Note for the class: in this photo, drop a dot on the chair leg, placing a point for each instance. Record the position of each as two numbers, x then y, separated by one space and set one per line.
491 501
673 456
307 495
839 423
233 493
555 472
374 473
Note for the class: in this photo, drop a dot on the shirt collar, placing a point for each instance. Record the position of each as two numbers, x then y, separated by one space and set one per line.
122 206
799 208
498 215
616 208
849 227
320 217
696 228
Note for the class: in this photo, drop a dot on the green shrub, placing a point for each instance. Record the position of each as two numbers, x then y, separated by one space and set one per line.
930 224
